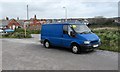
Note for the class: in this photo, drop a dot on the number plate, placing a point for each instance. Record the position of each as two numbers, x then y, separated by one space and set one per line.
95 45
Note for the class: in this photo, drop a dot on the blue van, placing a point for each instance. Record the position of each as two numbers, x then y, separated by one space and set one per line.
76 36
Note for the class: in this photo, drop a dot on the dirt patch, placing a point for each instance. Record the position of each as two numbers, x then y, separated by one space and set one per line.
106 28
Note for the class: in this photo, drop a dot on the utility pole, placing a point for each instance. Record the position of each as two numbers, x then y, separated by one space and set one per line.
27 20
27 13
65 13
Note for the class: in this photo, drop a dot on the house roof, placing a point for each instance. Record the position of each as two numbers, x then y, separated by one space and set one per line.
4 22
13 21
21 22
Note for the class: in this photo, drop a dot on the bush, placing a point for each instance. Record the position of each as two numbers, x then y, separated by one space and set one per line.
20 35
19 30
28 31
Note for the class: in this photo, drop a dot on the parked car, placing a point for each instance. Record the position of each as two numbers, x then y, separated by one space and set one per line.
76 36
8 30
1 30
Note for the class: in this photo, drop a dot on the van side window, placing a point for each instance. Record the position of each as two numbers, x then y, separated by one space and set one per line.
65 29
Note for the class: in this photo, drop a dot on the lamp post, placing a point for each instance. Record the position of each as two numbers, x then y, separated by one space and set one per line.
27 13
27 20
65 13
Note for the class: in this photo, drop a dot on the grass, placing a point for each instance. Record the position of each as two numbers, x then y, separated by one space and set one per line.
0 36
109 38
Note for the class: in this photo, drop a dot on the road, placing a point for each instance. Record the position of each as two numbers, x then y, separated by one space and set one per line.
29 54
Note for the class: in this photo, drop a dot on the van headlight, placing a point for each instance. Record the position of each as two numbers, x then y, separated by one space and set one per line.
86 42
99 40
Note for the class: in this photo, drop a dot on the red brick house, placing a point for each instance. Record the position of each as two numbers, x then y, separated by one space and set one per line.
34 23
13 24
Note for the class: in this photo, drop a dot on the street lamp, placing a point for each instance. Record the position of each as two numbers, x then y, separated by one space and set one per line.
27 13
27 20
65 13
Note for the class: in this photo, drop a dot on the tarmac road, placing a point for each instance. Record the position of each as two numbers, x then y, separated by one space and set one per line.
29 54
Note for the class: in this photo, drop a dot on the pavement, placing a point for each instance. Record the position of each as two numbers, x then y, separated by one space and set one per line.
29 54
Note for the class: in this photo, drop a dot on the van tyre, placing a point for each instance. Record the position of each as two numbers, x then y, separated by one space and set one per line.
75 48
47 44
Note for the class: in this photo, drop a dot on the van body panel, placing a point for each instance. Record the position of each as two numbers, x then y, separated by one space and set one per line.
53 33
90 36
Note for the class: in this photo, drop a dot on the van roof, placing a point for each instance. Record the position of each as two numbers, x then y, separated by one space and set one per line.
62 24
66 23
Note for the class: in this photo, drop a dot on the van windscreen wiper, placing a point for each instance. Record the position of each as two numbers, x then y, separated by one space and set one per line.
85 32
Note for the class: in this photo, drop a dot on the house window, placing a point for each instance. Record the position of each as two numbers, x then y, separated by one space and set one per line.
10 27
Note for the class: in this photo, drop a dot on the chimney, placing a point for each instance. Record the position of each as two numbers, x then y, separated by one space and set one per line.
35 17
17 18
7 18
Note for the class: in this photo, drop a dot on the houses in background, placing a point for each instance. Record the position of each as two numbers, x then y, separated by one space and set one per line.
35 24
11 24
32 24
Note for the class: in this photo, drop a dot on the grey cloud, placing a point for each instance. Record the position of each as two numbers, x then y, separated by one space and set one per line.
53 9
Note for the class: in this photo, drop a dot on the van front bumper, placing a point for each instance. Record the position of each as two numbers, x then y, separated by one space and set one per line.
89 47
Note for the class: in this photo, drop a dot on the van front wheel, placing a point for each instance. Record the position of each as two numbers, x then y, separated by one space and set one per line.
47 44
75 49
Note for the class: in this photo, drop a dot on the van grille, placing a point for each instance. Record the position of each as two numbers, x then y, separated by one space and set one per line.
95 41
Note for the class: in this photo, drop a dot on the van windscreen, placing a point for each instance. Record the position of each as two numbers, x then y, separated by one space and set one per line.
80 28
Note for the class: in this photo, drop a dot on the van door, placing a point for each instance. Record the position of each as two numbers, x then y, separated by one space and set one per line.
66 40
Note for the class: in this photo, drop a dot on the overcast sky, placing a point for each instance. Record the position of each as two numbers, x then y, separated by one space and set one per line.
54 8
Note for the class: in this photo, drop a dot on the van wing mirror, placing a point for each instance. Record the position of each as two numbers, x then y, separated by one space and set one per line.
72 34
65 32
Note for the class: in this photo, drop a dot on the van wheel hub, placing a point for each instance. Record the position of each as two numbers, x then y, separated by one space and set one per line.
47 44
75 49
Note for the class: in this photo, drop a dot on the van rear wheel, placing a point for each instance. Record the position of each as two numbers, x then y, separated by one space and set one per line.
47 44
75 48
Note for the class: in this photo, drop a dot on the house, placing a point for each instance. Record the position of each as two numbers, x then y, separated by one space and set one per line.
117 20
34 23
3 24
13 24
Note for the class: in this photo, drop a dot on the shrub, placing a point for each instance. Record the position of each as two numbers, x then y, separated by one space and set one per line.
20 35
28 31
19 30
